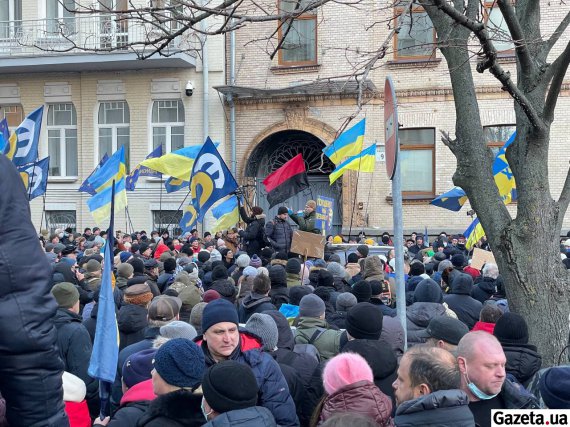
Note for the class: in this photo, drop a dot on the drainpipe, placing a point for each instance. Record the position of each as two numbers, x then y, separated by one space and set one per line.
231 101
205 100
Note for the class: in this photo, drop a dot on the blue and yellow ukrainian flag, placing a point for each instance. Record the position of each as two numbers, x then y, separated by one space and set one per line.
349 143
85 187
100 204
473 234
453 199
113 169
363 162
504 178
226 214
177 163
141 170
4 134
174 184
35 177
210 181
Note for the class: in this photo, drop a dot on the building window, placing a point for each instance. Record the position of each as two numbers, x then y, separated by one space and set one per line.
114 131
167 220
14 115
60 13
416 39
300 44
10 18
496 136
168 125
417 154
498 29
61 220
62 140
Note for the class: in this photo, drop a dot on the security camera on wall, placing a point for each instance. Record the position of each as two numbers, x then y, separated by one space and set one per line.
189 88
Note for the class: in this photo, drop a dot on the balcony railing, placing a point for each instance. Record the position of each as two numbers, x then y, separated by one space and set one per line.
93 33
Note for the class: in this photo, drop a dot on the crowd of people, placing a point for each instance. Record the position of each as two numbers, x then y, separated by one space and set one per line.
232 329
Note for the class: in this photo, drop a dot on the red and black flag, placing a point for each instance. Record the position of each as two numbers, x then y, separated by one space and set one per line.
285 182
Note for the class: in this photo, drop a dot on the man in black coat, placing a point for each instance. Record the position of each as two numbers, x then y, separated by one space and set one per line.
73 340
279 231
460 301
253 235
30 369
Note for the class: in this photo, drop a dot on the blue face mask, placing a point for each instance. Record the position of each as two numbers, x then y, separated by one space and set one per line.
476 390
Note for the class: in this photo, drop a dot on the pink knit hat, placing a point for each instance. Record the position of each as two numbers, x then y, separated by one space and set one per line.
345 369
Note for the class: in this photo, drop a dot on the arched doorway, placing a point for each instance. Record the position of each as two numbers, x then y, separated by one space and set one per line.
278 148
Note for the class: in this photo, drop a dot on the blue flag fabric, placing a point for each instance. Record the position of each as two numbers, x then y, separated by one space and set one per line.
28 135
4 134
86 187
114 169
210 181
141 170
105 355
173 184
35 177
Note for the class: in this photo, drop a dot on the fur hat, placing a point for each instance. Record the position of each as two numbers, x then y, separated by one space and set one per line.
180 363
345 369
138 294
265 328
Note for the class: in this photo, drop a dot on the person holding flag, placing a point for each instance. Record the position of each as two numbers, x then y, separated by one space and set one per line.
254 235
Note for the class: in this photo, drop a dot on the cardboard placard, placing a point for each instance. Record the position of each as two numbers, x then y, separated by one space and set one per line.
308 244
481 257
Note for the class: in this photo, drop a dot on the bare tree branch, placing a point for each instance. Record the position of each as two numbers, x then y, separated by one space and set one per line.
521 47
490 61
556 36
557 71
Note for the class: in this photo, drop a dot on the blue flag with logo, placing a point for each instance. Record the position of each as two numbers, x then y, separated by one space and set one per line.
141 170
27 138
4 134
35 176
210 181
86 186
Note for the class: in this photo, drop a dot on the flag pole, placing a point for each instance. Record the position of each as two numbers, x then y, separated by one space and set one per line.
354 199
160 201
179 207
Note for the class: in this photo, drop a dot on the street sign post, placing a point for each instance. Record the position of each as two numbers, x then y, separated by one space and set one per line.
393 170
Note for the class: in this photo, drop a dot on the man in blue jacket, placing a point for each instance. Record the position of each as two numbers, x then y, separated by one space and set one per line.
30 369
222 340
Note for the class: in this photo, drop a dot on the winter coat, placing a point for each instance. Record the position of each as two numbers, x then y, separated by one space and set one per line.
372 269
74 345
280 234
78 414
91 322
179 408
225 288
393 335
411 285
386 311
164 280
256 416
132 321
306 222
293 280
442 408
418 316
485 288
279 296
121 283
245 286
338 319
253 235
273 391
254 303
382 361
362 397
460 301
484 326
332 295
311 330
523 361
134 404
515 396
352 268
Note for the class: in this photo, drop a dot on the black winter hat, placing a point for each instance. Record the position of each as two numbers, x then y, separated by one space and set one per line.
428 291
282 210
417 268
170 264
278 276
298 292
362 291
220 390
143 247
219 272
375 287
203 256
447 329
293 266
281 255
353 258
138 265
458 260
554 389
325 278
364 321
363 250
511 328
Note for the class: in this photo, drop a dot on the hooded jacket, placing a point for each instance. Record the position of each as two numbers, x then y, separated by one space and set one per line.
134 404
311 330
362 397
485 288
523 361
279 296
442 408
254 303
273 391
280 234
256 416
372 269
418 316
225 288
132 321
461 302
179 408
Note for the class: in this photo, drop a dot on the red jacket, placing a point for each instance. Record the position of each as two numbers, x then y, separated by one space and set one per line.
78 414
484 326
